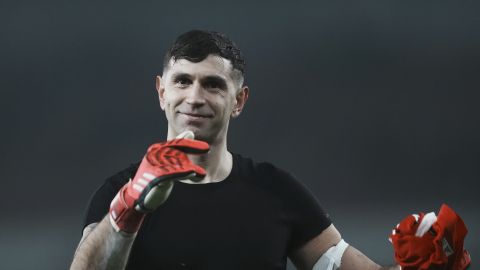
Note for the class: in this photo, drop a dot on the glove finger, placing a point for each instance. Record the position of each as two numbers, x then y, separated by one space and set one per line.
199 172
187 134
157 191
156 196
187 172
426 224
408 225
189 146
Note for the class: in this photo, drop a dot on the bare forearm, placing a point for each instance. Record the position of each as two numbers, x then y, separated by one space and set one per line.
103 248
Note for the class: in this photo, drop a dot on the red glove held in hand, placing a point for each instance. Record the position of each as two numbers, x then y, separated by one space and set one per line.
453 231
428 242
163 163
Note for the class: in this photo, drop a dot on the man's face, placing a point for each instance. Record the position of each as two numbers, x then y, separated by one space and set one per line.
200 97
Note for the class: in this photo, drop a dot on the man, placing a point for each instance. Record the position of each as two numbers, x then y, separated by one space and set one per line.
224 211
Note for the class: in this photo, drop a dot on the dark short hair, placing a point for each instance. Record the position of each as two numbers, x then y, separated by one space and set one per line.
196 45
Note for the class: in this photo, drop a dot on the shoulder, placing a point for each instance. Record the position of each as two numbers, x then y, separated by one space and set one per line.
266 173
250 166
120 178
125 174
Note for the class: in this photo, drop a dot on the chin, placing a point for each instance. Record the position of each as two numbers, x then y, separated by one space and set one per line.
205 133
199 135
202 137
207 137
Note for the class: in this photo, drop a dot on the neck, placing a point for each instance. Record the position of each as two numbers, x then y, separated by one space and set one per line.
217 162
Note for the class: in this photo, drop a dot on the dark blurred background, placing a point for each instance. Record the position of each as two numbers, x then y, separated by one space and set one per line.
372 104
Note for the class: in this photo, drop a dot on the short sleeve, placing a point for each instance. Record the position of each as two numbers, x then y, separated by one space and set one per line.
99 203
304 214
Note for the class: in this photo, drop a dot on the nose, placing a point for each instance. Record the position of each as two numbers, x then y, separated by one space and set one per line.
195 95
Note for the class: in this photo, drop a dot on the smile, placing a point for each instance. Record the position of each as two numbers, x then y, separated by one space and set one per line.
196 116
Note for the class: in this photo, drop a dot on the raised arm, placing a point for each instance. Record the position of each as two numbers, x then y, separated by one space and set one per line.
102 247
107 245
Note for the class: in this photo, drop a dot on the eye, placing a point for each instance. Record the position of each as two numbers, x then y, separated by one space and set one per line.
212 84
182 82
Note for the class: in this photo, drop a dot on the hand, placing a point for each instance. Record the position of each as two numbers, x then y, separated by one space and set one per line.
163 164
425 241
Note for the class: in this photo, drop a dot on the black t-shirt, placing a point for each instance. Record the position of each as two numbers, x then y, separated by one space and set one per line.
251 220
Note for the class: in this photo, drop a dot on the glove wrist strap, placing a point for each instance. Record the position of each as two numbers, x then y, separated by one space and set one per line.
123 217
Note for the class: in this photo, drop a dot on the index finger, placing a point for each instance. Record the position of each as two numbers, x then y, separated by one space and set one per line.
189 146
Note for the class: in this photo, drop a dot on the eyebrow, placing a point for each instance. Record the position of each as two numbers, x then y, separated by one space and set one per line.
207 79
215 79
177 76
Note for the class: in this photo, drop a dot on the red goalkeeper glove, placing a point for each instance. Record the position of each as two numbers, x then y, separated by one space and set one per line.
151 186
426 241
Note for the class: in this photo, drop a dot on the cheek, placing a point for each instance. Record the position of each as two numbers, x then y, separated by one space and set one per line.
221 106
227 110
169 100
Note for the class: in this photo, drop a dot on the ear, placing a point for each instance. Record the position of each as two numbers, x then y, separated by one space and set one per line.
160 90
240 100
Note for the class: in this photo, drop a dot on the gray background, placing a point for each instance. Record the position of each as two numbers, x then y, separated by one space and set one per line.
372 104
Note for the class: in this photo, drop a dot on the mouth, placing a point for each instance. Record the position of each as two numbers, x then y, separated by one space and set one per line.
196 115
